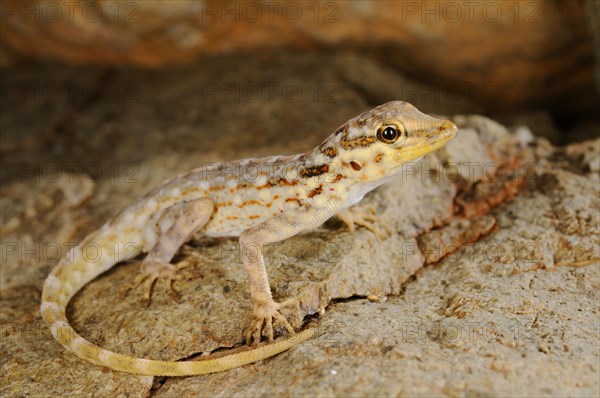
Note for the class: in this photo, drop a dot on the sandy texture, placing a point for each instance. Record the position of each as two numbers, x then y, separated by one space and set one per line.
489 284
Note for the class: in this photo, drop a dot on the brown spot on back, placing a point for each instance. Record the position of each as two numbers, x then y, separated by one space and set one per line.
315 191
267 185
337 178
329 151
293 200
250 202
282 182
190 190
355 166
313 171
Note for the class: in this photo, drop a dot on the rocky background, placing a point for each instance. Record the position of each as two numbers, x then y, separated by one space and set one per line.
489 284
511 56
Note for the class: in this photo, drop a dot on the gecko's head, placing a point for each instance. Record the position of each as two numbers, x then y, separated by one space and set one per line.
400 132
378 142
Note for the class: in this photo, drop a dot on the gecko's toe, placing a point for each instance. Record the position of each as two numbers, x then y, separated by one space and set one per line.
254 332
150 272
269 330
144 302
139 278
284 322
263 319
175 296
366 217
288 303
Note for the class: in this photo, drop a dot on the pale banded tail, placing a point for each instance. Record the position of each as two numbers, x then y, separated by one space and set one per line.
74 272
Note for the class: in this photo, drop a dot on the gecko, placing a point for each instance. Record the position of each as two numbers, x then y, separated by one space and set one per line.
260 201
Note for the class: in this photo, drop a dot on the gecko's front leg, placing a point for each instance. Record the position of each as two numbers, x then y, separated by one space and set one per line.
365 216
183 220
275 229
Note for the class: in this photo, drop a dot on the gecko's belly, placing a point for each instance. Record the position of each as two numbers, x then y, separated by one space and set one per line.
223 230
232 220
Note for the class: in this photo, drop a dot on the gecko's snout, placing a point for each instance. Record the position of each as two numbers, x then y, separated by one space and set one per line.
441 134
449 130
446 131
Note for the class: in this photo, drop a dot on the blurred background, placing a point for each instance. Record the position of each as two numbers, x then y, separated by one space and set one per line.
159 76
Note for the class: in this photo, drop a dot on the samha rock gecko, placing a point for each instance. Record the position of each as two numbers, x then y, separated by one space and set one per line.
261 201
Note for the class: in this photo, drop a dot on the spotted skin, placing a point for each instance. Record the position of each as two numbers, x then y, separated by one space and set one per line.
261 201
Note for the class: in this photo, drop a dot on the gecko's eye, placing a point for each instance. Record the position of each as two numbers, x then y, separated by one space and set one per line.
388 133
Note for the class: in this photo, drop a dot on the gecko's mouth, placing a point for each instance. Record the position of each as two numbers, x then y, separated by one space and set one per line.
442 138
437 143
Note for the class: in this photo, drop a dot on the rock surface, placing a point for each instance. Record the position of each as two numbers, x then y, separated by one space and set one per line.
511 55
489 284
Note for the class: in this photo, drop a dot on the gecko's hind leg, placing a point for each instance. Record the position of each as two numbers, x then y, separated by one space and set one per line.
183 220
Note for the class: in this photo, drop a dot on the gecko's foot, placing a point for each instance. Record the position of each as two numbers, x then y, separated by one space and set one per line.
365 216
150 272
262 321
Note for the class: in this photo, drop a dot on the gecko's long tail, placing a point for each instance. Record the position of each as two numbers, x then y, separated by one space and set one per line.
76 270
